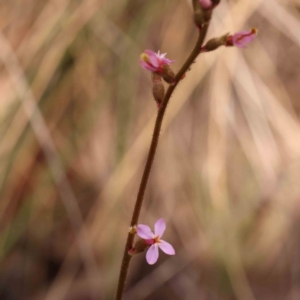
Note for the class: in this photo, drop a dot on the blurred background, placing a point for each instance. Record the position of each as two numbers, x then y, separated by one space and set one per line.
76 119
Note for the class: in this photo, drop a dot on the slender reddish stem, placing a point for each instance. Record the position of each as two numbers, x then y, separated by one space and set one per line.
151 155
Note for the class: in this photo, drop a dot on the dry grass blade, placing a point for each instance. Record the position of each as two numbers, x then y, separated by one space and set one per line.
39 127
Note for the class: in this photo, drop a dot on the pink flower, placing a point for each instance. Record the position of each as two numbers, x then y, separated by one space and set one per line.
242 38
154 62
205 4
154 240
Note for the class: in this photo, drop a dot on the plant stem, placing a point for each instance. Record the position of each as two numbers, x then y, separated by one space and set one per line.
151 154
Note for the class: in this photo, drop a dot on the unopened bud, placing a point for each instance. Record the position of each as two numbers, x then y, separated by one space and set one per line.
241 39
206 4
215 43
202 12
167 74
158 89
140 246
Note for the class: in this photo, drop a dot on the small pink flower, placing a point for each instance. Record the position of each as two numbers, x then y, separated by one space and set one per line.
154 62
205 4
154 240
242 38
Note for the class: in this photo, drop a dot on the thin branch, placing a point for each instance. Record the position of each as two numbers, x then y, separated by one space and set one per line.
139 201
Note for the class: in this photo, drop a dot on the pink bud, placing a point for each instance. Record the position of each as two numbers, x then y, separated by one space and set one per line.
241 39
206 4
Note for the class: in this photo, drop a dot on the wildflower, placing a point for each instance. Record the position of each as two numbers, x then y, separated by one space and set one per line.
154 240
154 62
159 64
242 38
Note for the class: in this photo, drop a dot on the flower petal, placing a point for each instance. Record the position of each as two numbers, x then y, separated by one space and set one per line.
243 38
153 61
160 227
166 247
144 232
150 52
152 254
147 66
166 61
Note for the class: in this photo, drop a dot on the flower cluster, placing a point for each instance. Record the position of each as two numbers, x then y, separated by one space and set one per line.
154 240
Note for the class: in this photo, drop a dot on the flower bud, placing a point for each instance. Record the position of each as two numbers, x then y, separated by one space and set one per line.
158 89
215 43
140 246
206 4
167 74
202 12
241 39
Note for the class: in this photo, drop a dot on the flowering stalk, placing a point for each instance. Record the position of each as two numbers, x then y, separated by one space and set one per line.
157 128
159 65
